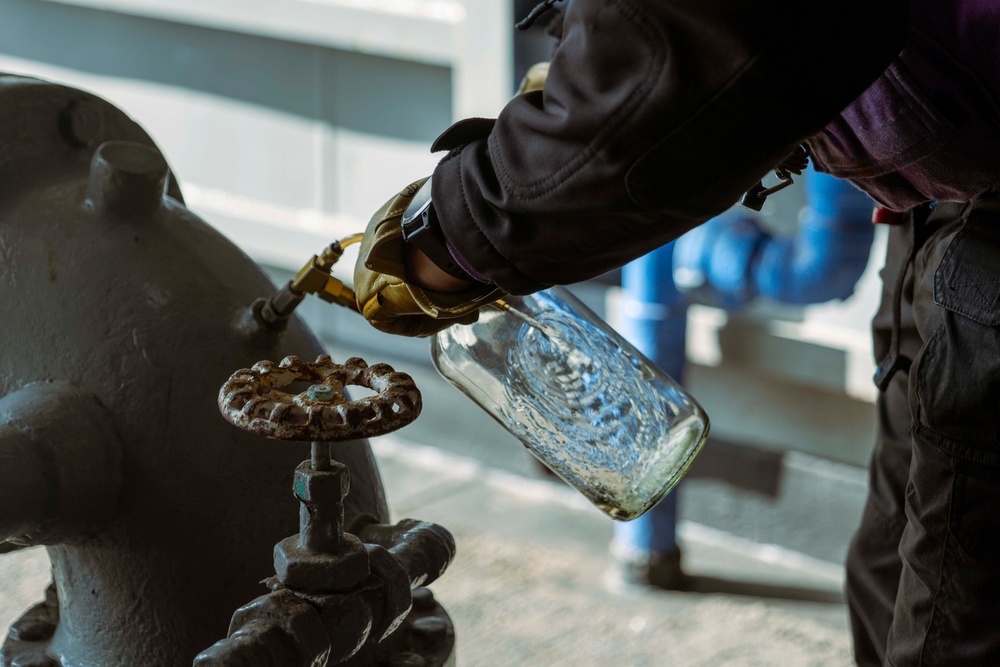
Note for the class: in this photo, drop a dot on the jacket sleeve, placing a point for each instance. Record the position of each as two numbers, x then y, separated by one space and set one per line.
656 116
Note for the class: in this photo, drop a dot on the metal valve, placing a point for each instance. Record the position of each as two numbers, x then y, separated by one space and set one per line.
253 399
333 594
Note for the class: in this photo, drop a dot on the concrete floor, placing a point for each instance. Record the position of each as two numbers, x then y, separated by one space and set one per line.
529 586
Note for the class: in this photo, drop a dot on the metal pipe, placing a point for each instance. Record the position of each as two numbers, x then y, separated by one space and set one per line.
60 463
653 317
731 259
423 549
24 483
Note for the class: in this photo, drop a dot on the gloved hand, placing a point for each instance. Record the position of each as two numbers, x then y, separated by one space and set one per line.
534 79
387 300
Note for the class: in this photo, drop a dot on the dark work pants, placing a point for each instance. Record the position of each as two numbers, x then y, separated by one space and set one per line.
923 570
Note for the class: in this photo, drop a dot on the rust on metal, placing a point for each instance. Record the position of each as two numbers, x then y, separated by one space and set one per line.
253 399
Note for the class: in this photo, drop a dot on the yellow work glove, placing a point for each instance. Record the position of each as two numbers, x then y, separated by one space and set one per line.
534 79
383 295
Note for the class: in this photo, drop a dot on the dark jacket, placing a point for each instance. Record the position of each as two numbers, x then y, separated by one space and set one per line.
656 116
928 128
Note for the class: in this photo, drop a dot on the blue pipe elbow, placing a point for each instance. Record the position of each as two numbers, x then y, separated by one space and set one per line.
731 260
714 264
826 258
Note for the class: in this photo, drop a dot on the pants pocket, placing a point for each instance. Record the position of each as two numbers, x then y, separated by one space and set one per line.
974 522
967 282
956 382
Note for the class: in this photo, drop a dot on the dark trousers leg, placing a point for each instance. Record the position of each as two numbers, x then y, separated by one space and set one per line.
873 563
948 605
944 605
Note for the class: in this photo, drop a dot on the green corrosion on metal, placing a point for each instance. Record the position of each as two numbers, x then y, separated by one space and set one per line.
320 392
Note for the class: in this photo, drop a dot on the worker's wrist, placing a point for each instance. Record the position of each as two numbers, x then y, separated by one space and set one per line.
423 272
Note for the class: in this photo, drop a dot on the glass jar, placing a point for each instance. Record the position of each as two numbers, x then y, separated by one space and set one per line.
580 398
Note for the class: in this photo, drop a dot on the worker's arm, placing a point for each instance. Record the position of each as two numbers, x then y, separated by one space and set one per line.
656 115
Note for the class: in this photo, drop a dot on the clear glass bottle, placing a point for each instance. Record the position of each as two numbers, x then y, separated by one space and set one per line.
578 396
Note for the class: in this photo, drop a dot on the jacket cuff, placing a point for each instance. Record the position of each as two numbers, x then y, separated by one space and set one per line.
471 245
464 265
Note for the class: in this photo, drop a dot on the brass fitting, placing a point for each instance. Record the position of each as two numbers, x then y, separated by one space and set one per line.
311 278
315 278
337 292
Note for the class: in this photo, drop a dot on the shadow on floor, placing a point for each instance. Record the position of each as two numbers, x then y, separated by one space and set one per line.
700 584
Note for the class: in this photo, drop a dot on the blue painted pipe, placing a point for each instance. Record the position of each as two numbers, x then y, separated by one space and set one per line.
731 260
654 320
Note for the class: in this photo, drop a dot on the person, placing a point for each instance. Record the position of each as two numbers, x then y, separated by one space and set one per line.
656 116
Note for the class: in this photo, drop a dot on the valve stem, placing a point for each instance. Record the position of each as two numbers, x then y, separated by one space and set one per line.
320 455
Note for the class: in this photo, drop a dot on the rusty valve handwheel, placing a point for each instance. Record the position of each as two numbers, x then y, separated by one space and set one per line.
253 399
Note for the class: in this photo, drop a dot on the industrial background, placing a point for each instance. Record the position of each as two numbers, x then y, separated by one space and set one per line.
287 122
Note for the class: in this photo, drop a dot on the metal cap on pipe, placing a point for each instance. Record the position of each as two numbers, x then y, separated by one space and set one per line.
127 180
